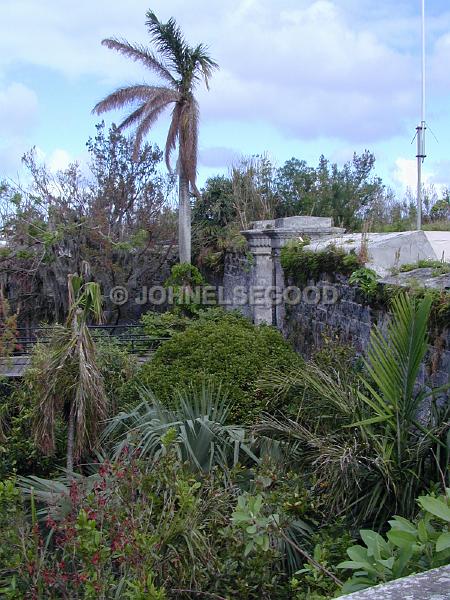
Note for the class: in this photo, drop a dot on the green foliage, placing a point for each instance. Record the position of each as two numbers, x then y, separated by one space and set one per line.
8 329
226 348
366 280
335 356
255 526
186 283
410 547
113 216
329 548
439 267
165 324
302 265
12 523
139 530
18 452
346 194
196 428
368 432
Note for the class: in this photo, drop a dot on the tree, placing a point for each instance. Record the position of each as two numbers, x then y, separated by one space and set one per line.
71 383
346 194
181 67
116 216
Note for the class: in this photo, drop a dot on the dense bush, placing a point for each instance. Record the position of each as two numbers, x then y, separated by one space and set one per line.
137 530
302 265
230 351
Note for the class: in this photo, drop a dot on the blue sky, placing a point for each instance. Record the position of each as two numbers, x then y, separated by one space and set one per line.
298 78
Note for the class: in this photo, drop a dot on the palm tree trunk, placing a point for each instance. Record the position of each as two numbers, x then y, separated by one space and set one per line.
184 219
70 439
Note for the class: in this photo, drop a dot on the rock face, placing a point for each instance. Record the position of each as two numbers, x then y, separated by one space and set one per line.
431 585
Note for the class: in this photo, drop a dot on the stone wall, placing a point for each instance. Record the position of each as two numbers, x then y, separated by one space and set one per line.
350 320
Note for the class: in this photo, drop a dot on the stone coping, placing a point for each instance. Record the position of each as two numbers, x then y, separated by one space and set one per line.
431 585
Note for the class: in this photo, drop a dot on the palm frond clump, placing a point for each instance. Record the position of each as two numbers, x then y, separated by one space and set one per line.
70 381
195 426
374 446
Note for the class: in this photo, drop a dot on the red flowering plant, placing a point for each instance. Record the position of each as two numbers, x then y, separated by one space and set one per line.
127 523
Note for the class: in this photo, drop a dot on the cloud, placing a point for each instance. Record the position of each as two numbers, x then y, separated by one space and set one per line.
342 69
59 160
218 157
310 72
18 109
435 173
405 173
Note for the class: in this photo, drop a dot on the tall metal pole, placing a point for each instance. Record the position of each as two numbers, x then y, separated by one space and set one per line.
421 129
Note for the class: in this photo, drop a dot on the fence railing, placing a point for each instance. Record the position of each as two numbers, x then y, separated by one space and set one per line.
129 336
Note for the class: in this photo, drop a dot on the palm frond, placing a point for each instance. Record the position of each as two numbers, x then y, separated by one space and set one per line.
205 63
394 361
145 125
188 137
198 420
53 495
169 42
173 134
128 95
140 53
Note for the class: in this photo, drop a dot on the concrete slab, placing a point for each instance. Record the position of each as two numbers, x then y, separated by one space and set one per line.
14 366
387 251
301 222
440 242
431 585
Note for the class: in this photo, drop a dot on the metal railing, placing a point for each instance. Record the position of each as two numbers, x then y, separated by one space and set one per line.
129 336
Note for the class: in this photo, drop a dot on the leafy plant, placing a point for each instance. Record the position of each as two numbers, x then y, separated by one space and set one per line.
410 547
439 267
366 446
301 264
186 283
164 324
196 426
134 529
367 280
71 384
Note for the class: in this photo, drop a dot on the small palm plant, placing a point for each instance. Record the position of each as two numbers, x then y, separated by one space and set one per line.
181 67
195 426
70 382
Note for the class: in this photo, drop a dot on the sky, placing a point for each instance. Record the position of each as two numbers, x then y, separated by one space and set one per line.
297 78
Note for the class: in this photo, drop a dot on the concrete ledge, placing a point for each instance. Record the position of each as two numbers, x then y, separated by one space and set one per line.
431 585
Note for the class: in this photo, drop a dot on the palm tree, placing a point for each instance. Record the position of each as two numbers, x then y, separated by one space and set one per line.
70 382
181 67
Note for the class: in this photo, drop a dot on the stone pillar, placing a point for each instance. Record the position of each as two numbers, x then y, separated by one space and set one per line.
266 278
261 276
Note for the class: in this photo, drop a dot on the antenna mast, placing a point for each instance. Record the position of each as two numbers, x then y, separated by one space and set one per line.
421 130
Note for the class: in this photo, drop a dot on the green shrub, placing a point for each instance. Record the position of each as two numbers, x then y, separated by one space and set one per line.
148 528
165 324
366 280
302 265
230 351
410 547
186 283
439 267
